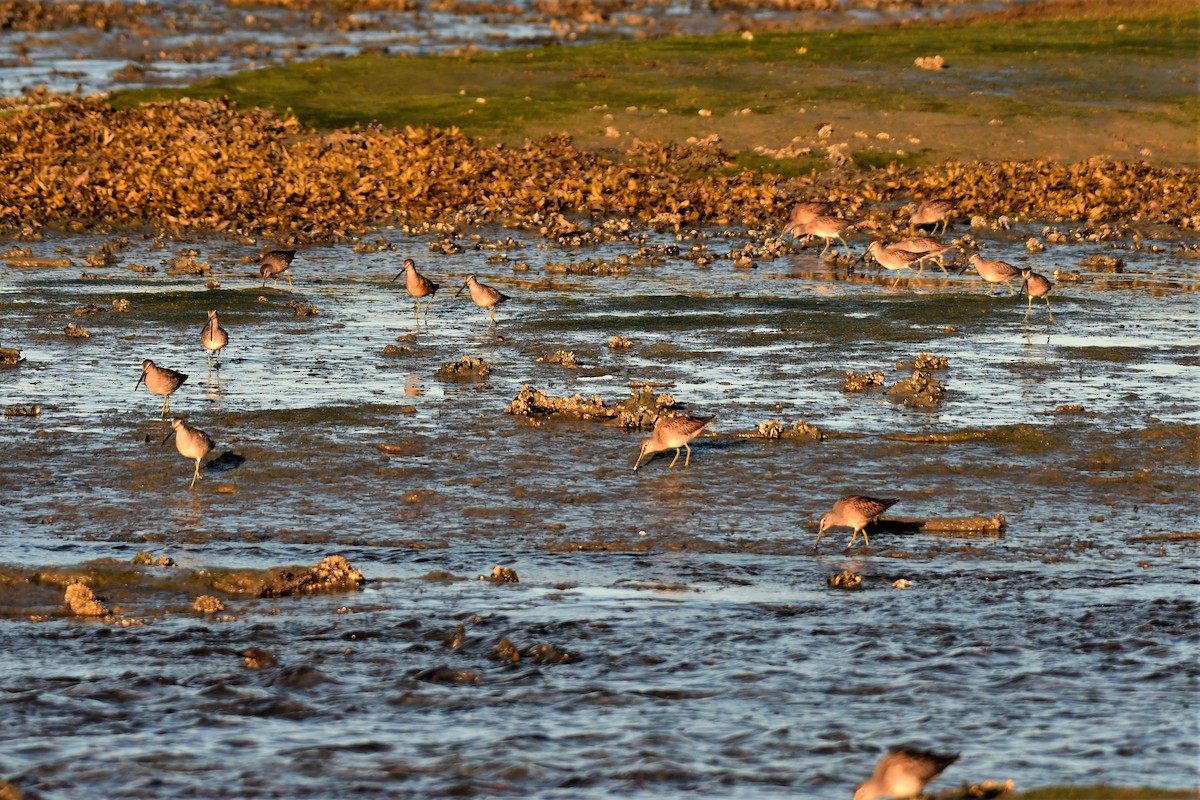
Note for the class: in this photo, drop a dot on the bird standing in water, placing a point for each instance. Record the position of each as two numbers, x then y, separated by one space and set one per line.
857 512
191 443
214 338
274 263
417 285
160 380
1036 285
484 296
903 773
673 432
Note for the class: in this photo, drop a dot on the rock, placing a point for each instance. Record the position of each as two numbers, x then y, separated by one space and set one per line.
466 367
83 603
207 604
845 579
77 331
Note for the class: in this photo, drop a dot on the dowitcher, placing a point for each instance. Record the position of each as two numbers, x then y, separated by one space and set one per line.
418 285
214 338
993 271
932 212
856 511
160 380
1036 285
829 229
484 296
673 432
903 773
802 214
893 259
931 249
274 263
191 443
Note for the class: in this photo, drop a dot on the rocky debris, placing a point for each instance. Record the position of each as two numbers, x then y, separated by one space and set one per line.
188 265
34 410
301 309
146 558
331 574
620 343
845 580
920 391
926 362
465 367
77 331
501 575
122 306
207 604
257 658
88 310
9 356
771 429
1102 263
930 62
859 383
83 603
564 357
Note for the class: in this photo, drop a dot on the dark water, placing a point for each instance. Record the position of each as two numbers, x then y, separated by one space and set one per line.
689 645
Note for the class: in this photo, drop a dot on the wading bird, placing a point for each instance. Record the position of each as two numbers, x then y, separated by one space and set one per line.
274 263
160 380
903 773
484 296
857 512
673 432
191 443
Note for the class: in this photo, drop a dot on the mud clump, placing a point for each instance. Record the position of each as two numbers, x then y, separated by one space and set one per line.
83 603
34 410
467 367
771 429
146 558
302 309
207 604
844 580
922 390
188 265
257 658
925 362
564 357
122 306
88 310
643 409
620 343
860 383
332 574
74 331
501 575
9 356
1102 263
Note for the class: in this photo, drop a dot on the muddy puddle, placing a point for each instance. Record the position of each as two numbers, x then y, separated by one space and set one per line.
672 631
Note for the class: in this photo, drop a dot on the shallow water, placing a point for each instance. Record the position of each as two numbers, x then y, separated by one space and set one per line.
707 655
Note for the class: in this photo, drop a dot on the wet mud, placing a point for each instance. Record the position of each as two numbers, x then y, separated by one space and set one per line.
672 630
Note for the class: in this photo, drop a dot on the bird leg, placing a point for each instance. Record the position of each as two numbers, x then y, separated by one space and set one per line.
827 243
166 407
196 475
688 458
673 460
843 241
1048 311
289 280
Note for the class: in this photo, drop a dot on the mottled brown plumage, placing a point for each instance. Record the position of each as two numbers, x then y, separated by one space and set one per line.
802 214
417 285
191 443
274 263
484 296
1036 285
903 773
214 338
673 432
931 249
855 511
932 212
993 271
160 380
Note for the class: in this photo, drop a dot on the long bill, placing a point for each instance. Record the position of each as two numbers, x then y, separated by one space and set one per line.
168 437
398 274
464 286
141 378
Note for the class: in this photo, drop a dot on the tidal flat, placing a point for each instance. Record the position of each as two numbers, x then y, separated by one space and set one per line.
535 619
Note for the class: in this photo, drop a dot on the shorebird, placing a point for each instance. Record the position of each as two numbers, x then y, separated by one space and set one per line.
274 263
160 380
932 212
418 285
928 248
802 214
214 338
1036 285
993 271
827 228
484 296
673 432
892 259
191 443
856 511
903 773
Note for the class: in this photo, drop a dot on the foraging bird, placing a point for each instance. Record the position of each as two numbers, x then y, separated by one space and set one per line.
928 248
903 773
993 271
275 263
214 338
1036 285
418 285
855 511
827 228
932 212
191 443
892 259
802 214
484 296
160 380
673 432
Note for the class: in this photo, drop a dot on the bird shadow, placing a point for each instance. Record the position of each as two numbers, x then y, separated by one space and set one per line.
225 462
